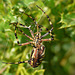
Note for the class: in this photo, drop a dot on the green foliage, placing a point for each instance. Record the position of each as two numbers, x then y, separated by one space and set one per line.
60 54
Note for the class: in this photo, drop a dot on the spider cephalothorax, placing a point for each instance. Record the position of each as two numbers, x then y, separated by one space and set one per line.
38 51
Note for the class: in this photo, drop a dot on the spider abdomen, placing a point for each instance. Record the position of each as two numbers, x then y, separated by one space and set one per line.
37 56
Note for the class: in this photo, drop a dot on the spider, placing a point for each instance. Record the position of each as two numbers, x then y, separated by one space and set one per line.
38 51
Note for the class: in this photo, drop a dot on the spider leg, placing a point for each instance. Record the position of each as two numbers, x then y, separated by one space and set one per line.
29 16
16 62
23 34
43 27
50 39
49 32
24 43
33 20
28 28
20 31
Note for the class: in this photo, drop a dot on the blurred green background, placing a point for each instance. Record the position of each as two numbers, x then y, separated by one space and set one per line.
60 53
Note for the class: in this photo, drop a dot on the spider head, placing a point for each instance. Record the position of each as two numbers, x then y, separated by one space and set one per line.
37 39
38 35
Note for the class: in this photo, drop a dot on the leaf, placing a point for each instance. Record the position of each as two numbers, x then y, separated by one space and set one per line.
68 20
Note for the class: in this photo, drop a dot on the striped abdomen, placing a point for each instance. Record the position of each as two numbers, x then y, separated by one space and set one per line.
37 56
